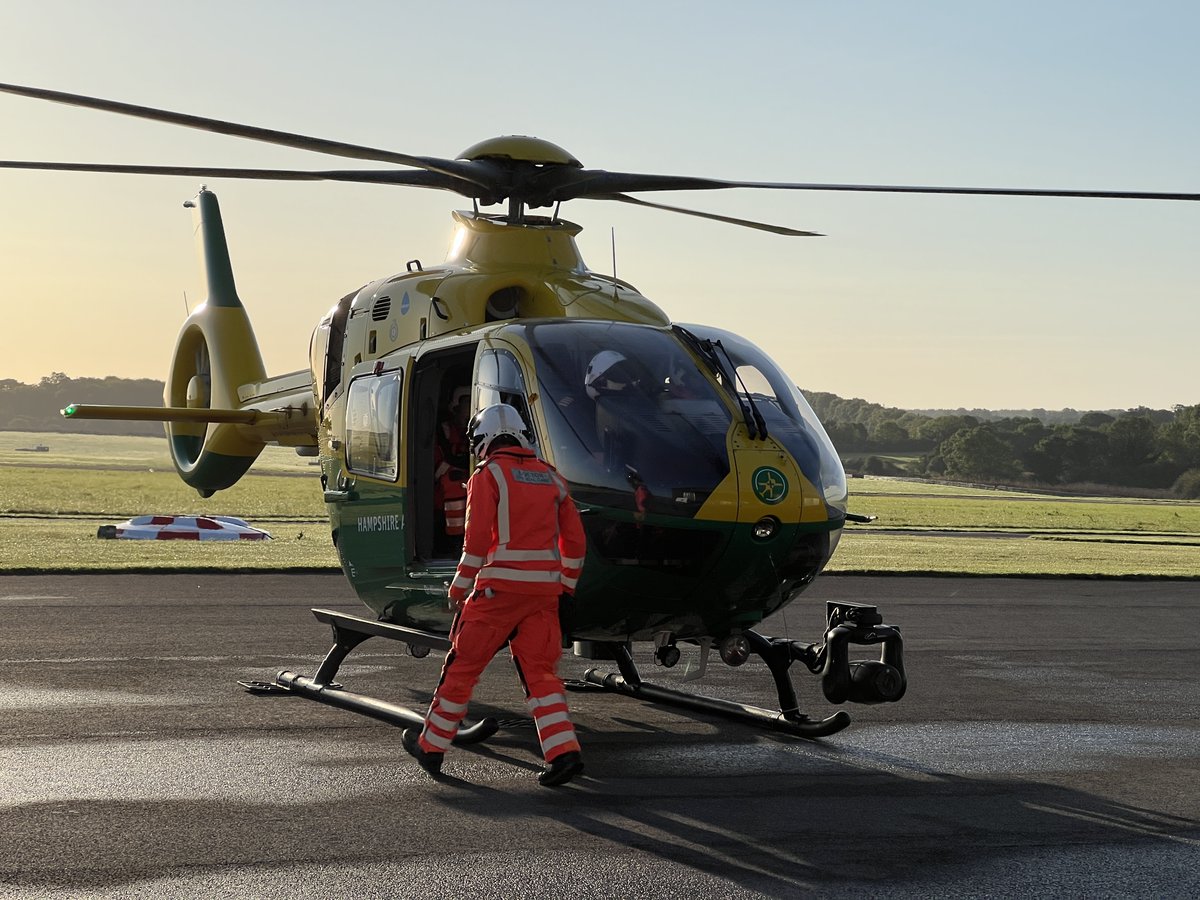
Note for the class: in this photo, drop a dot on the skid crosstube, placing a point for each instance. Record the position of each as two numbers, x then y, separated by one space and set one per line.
348 632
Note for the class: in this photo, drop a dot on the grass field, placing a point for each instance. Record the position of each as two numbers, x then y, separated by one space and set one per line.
864 552
51 504
937 528
123 493
991 511
107 451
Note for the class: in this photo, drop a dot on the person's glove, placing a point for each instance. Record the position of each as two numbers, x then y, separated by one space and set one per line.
566 612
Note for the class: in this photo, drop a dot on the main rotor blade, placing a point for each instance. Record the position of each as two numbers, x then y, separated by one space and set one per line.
363 176
591 182
455 168
760 226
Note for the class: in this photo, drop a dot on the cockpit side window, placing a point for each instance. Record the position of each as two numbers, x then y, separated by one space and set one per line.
372 426
500 381
325 350
755 382
787 414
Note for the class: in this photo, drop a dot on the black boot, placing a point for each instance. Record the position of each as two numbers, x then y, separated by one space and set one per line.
430 762
561 770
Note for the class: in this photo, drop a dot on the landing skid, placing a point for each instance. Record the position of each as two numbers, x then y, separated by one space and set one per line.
778 657
348 632
842 679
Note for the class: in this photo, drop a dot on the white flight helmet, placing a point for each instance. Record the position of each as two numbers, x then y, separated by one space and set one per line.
596 379
493 421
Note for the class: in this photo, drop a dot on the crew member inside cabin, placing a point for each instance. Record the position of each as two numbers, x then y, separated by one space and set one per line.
523 550
452 461
614 383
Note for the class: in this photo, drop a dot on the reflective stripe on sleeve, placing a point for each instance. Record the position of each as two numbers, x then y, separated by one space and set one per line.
569 582
503 531
470 560
572 563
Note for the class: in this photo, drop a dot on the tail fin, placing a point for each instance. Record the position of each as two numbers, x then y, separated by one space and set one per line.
220 407
215 354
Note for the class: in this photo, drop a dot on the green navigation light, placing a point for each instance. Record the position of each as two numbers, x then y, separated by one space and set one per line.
69 411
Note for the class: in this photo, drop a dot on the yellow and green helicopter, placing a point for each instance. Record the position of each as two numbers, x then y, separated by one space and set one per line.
710 493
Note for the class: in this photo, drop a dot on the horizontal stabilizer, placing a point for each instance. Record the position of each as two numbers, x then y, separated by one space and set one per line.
269 418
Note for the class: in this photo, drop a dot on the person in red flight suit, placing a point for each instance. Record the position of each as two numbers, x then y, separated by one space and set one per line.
451 459
524 547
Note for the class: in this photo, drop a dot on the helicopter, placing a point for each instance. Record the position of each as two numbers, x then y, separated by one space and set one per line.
711 494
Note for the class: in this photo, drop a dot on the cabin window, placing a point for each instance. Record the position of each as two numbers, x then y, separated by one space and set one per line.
500 381
372 426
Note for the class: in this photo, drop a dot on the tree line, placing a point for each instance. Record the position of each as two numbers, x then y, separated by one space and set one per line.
35 407
1136 448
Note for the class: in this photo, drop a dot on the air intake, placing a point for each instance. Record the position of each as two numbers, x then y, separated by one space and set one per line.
381 309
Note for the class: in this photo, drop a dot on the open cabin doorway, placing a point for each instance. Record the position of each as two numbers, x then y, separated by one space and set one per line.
438 433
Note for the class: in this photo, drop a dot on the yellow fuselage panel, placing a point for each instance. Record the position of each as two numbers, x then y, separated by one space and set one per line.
494 272
763 480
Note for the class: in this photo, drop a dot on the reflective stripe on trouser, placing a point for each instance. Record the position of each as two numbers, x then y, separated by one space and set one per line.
456 515
441 724
555 731
528 623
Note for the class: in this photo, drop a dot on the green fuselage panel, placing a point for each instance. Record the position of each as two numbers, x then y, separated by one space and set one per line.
694 578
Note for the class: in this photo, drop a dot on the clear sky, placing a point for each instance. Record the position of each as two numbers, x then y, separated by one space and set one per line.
909 301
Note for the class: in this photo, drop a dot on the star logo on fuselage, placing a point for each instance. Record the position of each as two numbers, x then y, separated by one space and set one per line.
770 485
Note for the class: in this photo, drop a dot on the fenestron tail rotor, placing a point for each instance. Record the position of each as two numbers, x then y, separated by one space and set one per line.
524 171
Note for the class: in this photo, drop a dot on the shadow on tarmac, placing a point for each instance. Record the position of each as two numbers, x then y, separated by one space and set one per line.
840 827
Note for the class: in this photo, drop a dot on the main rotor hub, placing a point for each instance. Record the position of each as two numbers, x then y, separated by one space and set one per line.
521 148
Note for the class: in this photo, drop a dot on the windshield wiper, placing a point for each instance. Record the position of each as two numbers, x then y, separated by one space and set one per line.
759 421
704 347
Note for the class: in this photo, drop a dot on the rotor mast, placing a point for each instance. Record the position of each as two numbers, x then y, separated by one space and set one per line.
522 160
